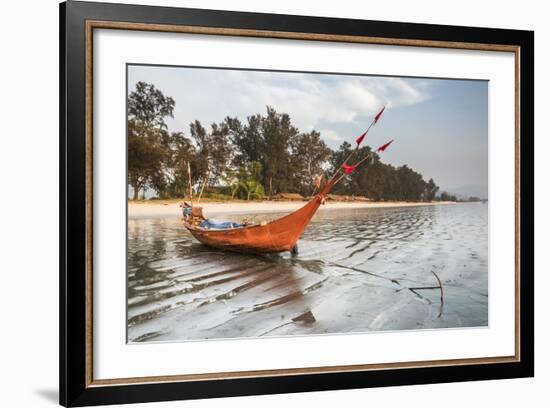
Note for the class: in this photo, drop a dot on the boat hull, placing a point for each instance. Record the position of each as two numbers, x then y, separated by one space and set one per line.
277 236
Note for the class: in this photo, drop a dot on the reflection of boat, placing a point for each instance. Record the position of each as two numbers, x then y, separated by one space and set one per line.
276 236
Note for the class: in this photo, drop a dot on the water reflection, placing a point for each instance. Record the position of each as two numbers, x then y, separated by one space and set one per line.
353 273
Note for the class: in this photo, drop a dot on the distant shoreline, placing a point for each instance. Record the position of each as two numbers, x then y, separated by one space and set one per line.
170 208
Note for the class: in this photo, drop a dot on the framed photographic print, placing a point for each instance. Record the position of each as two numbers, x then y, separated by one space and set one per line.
256 203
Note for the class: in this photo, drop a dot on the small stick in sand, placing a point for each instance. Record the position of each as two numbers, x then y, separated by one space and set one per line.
441 289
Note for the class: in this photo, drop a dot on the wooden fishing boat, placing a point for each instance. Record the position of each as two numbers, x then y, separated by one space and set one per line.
276 236
282 234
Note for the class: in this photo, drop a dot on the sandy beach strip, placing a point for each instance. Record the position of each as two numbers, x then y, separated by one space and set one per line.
154 209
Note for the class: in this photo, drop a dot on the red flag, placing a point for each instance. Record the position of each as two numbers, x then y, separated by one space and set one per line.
360 138
384 146
378 116
348 169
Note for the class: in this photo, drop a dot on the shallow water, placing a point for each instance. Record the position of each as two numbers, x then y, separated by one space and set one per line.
356 271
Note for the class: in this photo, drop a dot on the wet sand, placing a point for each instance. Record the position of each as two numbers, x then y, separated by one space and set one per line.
357 270
148 209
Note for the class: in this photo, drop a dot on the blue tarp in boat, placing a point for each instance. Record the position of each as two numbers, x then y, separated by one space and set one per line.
220 224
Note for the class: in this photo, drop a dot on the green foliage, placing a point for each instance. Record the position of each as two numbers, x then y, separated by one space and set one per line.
213 152
309 155
247 140
148 151
180 168
146 157
380 181
246 182
447 197
264 155
431 190
149 106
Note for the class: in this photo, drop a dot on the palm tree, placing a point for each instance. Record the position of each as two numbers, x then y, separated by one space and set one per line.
252 188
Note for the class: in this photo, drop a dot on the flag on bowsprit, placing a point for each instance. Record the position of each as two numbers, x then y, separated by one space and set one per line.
378 115
384 146
348 169
360 138
376 118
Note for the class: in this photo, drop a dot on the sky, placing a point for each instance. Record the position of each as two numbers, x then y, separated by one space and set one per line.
440 126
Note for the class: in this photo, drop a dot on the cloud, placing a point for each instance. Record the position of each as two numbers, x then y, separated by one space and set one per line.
311 100
328 134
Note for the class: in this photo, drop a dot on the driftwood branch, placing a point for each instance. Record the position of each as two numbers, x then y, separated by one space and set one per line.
441 289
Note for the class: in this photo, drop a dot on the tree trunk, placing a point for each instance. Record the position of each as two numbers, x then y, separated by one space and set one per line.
136 192
203 185
270 186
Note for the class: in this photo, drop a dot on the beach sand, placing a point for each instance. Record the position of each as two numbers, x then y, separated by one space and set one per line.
154 209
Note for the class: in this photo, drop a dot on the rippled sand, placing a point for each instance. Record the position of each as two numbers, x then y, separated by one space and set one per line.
357 270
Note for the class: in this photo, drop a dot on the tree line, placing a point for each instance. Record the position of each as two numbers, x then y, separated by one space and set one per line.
262 156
